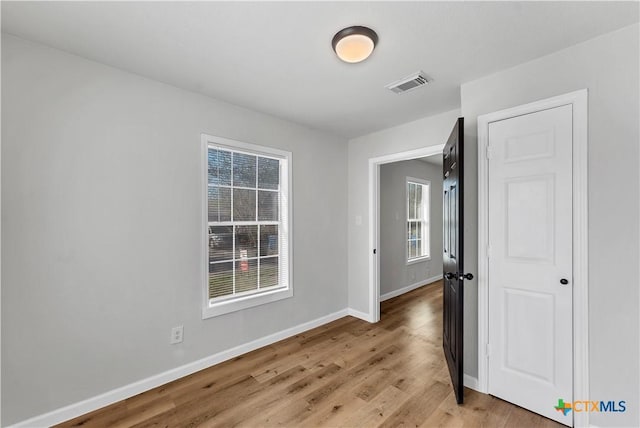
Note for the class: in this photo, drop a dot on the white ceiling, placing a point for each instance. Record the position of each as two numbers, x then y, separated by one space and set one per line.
276 57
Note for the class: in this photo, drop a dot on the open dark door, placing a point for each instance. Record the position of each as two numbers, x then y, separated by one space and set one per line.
452 335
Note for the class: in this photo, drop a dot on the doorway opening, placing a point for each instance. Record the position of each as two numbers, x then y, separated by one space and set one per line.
375 165
410 217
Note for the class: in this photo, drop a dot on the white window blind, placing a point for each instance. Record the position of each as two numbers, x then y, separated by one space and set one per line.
247 224
418 195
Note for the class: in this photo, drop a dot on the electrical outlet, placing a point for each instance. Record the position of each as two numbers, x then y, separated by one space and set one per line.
176 334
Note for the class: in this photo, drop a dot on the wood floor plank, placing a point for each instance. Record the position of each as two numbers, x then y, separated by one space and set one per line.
309 356
378 409
348 373
419 407
258 403
440 418
497 413
524 418
144 412
290 404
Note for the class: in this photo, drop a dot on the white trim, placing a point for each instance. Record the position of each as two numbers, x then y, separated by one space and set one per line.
417 260
417 180
240 302
359 314
579 102
470 382
374 217
246 148
78 409
400 291
285 241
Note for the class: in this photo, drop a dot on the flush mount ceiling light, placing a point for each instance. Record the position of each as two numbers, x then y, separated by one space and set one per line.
354 44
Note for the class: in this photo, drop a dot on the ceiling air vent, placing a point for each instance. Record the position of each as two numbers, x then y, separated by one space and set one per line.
413 81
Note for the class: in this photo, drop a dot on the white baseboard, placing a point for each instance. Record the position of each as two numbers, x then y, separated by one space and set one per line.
470 382
362 315
113 396
396 293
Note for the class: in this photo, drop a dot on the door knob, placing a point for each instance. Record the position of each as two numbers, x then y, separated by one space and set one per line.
564 281
460 276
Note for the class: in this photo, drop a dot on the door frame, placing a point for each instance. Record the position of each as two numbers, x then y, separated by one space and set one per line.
579 102
374 218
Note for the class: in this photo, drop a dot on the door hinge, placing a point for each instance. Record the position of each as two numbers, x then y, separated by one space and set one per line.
488 152
488 350
488 251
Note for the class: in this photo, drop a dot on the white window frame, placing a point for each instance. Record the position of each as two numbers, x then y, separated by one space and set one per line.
426 224
240 302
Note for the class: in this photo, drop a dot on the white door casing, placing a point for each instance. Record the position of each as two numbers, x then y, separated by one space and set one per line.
530 241
533 211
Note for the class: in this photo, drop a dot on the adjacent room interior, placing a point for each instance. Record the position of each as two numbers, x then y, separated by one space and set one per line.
410 225
320 214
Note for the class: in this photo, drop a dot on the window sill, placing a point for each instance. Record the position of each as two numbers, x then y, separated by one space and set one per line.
239 304
418 260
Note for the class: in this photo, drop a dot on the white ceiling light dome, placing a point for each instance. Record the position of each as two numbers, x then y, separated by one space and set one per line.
354 44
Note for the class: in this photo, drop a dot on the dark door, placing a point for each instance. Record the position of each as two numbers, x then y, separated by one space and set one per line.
452 335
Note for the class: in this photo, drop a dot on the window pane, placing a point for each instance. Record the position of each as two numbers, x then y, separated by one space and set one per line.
418 201
267 206
418 230
220 243
411 192
246 275
268 173
219 167
220 279
413 230
246 241
268 240
412 249
268 272
244 205
219 204
244 170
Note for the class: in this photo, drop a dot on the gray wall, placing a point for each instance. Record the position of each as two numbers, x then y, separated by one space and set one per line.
101 208
394 271
608 67
429 131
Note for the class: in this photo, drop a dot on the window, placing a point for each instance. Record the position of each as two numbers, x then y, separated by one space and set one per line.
247 225
418 195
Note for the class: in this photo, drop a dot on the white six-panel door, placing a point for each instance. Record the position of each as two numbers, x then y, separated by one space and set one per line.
530 259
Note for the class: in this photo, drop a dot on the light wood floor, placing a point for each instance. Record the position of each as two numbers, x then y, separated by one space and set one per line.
347 373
